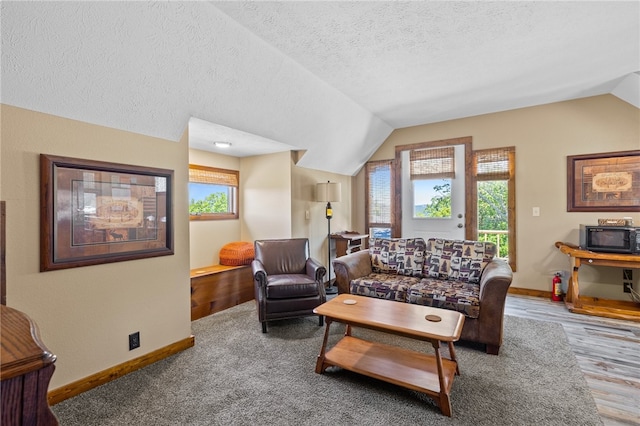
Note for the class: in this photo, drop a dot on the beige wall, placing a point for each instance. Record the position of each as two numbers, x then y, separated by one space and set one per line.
265 183
208 236
86 314
315 228
544 136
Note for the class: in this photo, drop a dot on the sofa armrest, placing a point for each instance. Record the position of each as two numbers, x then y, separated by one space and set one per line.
494 285
349 267
495 281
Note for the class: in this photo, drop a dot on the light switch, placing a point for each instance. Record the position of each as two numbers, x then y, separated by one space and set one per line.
536 211
307 215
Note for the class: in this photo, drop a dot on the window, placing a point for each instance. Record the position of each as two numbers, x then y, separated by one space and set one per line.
489 180
494 173
213 193
378 184
432 198
431 171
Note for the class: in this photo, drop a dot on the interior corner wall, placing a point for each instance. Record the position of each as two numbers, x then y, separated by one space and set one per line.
544 136
208 236
86 314
265 196
315 227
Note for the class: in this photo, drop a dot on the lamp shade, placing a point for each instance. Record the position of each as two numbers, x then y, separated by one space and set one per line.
329 191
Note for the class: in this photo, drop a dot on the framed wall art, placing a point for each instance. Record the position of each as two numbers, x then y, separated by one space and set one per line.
95 212
606 182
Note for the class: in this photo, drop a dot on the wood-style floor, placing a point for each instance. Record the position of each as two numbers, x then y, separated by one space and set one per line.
608 352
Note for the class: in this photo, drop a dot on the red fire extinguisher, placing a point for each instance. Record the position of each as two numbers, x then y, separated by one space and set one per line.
556 293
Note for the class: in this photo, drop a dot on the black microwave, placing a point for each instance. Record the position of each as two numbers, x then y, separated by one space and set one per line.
610 239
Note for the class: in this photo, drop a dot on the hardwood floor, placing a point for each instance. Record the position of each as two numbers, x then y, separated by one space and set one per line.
607 350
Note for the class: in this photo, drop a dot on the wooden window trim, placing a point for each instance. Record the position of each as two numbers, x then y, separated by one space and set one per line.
233 178
471 205
510 177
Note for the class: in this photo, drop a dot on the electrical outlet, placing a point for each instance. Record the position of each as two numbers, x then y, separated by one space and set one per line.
134 340
627 286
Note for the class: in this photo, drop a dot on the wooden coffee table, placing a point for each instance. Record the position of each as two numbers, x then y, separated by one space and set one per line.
428 373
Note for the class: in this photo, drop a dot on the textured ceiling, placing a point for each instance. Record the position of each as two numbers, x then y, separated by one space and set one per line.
329 78
418 62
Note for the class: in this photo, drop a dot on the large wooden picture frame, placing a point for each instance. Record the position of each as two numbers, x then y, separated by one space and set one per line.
95 212
606 182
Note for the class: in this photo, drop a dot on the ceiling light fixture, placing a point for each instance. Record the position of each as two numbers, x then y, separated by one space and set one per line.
222 144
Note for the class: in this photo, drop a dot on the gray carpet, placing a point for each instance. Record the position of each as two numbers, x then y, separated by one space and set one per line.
235 375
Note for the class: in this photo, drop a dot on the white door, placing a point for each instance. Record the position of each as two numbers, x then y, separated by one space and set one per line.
415 195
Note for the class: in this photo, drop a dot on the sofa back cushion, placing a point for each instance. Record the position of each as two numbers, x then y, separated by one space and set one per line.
461 260
401 256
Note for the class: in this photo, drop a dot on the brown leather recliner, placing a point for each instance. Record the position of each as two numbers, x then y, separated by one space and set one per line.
288 283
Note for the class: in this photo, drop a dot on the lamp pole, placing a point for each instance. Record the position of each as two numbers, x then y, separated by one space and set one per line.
331 289
328 192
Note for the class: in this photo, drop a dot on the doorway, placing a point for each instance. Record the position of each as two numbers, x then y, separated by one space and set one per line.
458 224
433 204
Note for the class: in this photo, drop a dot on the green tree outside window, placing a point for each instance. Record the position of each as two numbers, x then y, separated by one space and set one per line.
213 203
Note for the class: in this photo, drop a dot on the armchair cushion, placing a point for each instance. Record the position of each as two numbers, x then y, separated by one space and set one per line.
287 286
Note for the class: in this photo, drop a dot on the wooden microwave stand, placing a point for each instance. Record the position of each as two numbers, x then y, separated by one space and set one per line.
591 305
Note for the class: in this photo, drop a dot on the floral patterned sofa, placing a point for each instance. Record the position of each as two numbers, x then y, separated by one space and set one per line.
452 274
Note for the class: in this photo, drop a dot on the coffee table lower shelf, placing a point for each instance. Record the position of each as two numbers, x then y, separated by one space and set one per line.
402 367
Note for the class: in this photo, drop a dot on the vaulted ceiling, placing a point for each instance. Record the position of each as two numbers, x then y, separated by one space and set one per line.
333 79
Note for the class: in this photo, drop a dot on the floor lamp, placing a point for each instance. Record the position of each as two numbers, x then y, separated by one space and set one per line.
329 192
